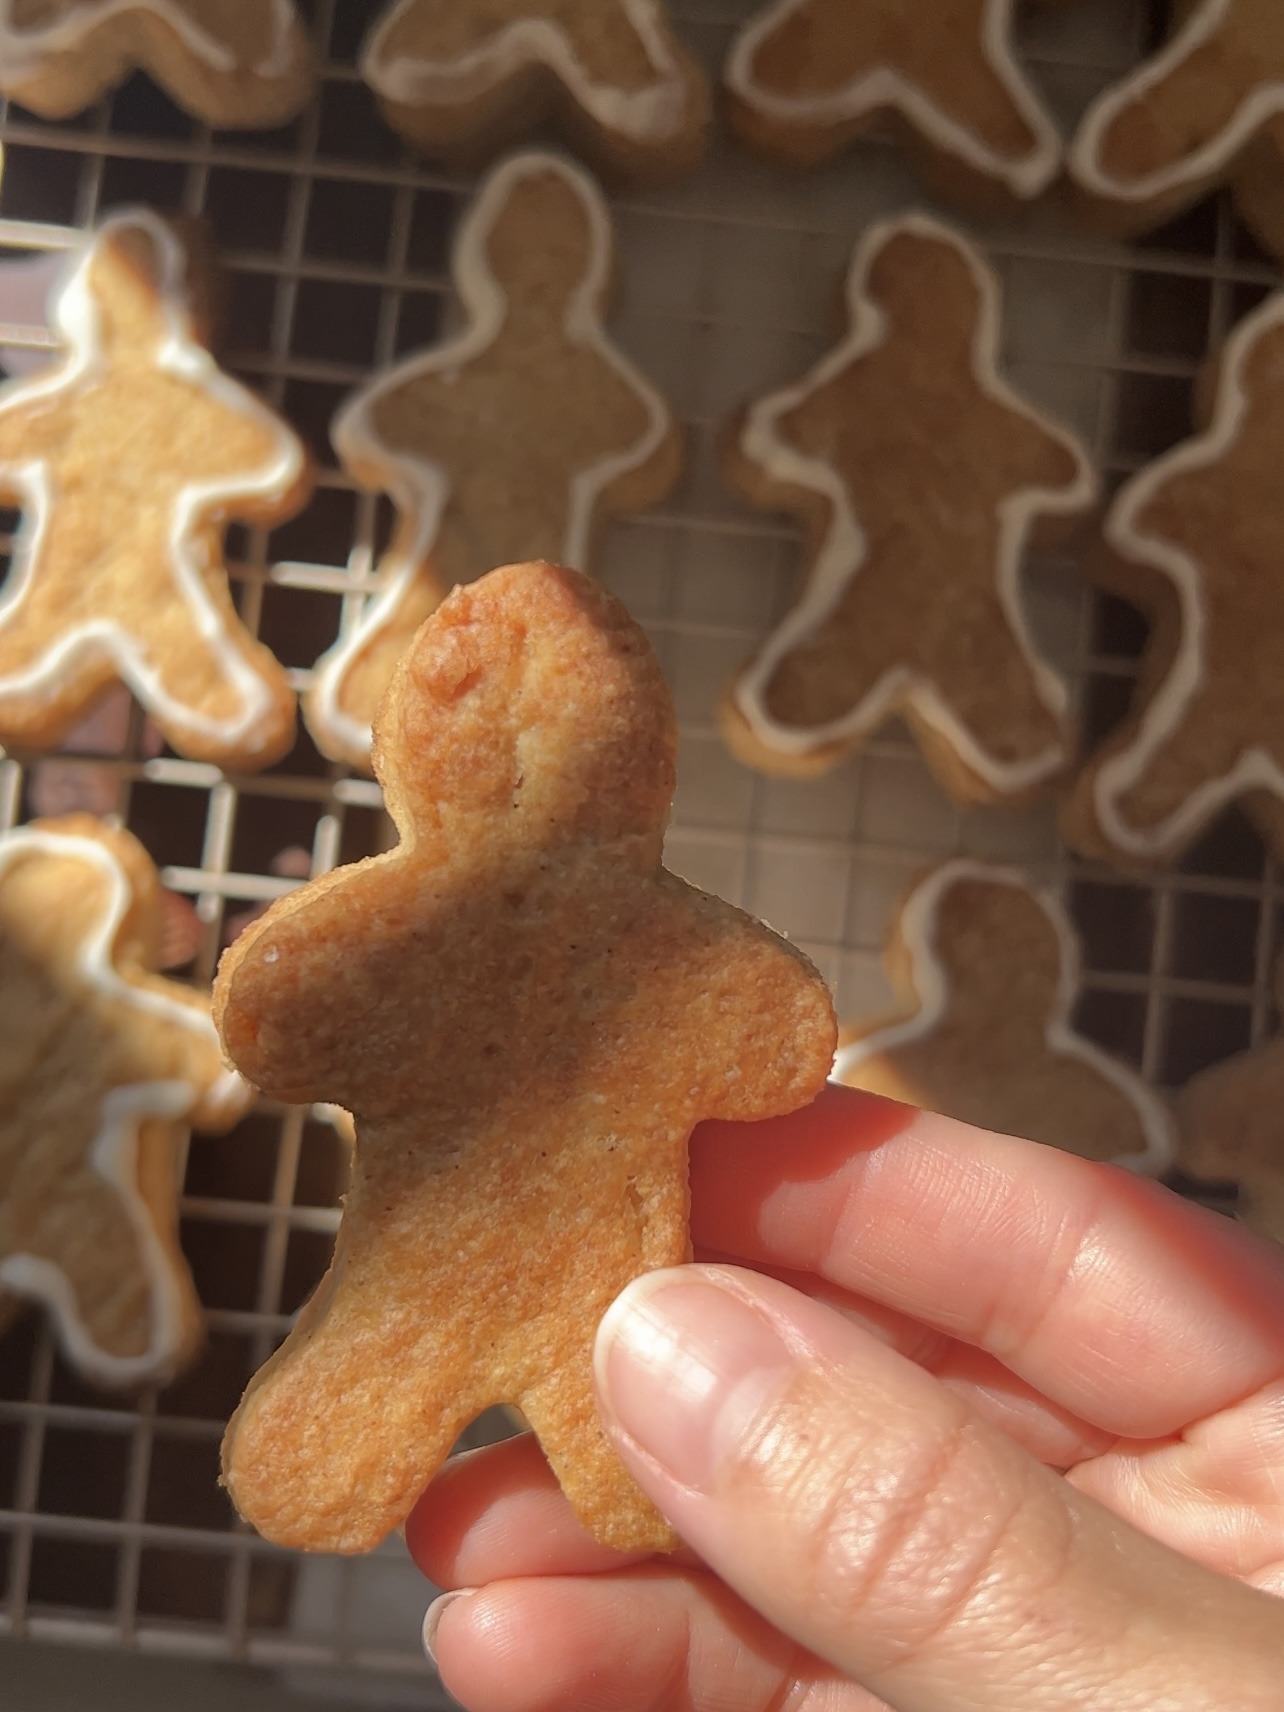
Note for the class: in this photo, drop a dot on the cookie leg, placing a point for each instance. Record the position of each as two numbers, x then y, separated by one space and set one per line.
45 685
1018 742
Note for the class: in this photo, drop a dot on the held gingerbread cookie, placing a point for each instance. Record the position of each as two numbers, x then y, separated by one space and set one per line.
128 457
234 63
1206 110
1196 538
806 77
531 1018
921 478
986 970
101 1063
1230 1126
464 79
519 437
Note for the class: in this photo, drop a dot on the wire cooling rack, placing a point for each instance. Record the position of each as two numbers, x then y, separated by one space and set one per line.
112 1528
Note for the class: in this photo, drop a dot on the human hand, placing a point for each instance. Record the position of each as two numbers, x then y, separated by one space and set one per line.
986 1426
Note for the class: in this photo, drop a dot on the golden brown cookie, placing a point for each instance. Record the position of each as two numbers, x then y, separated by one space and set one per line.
1196 538
244 63
1230 1128
521 436
463 78
527 1015
921 479
1206 110
986 970
804 78
102 1062
128 457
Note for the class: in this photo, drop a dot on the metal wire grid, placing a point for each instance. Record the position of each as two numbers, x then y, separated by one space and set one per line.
335 250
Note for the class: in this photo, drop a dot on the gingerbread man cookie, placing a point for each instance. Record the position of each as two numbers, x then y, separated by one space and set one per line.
464 79
127 458
806 77
520 436
243 63
101 1063
1196 538
921 478
532 1017
1230 1126
1206 110
986 971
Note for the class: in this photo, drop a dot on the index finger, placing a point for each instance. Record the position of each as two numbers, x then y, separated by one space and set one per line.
1120 1302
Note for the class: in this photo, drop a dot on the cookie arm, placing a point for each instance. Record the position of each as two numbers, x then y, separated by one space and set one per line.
179 1044
29 426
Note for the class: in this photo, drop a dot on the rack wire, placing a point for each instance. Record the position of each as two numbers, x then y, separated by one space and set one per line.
334 244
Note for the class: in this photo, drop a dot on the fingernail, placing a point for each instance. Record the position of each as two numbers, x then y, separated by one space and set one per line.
684 1369
433 1616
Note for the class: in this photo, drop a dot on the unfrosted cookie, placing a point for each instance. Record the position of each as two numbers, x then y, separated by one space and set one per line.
921 479
527 1016
245 63
518 437
461 78
1206 110
985 970
127 458
101 1063
1196 539
806 77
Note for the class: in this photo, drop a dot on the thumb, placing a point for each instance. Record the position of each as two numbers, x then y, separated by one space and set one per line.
872 1516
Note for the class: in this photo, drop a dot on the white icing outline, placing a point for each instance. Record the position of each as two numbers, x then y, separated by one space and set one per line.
21 51
114 1153
916 928
1256 769
647 115
1084 159
886 87
420 488
842 554
74 316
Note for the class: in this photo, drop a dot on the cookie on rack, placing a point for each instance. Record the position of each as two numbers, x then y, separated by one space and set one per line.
922 480
1195 539
102 1063
520 436
1206 110
985 969
532 1018
128 457
464 80
804 78
233 63
1230 1127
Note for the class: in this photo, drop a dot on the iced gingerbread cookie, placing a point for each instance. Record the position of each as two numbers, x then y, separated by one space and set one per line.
806 77
1206 110
922 480
521 436
128 457
532 1017
462 78
1230 1125
233 63
1196 539
986 970
101 1063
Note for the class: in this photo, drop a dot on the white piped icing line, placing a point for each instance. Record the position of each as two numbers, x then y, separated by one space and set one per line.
75 317
649 114
114 1153
917 921
419 487
843 551
1255 769
1085 156
23 50
884 87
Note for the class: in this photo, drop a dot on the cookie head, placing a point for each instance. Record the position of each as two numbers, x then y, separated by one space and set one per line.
928 291
539 279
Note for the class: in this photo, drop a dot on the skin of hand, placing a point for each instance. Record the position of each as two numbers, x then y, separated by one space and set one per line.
950 1422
